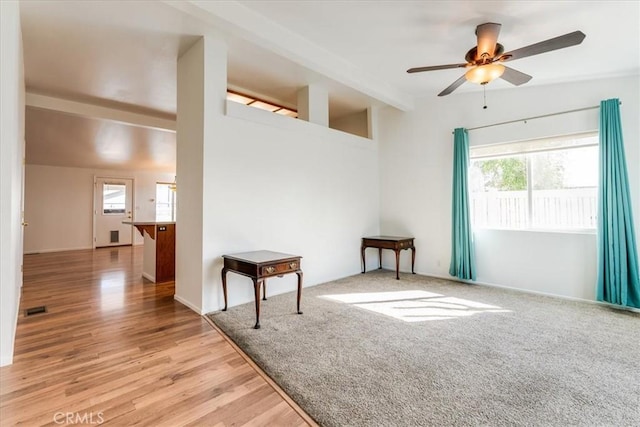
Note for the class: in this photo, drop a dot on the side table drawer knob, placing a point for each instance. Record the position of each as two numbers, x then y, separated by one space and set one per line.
269 269
293 265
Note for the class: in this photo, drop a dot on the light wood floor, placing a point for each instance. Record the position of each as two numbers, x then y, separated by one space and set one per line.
117 349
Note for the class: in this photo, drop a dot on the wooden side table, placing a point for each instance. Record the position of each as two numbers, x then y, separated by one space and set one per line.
258 266
389 242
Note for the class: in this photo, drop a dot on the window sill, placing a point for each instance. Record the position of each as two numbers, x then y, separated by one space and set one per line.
590 231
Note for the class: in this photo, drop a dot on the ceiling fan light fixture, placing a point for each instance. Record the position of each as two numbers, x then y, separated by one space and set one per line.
483 74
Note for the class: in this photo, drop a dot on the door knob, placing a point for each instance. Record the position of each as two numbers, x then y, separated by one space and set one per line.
25 224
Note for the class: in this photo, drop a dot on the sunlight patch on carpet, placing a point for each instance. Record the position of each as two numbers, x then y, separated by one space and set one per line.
415 305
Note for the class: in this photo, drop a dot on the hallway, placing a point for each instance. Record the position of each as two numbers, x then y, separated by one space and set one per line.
117 349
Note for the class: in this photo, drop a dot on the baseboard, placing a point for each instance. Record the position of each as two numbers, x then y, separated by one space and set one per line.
6 361
44 251
529 291
149 277
618 307
188 304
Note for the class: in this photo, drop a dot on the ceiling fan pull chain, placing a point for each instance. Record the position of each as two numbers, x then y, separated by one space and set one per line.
484 93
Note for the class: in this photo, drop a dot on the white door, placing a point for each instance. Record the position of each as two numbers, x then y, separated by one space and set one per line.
113 200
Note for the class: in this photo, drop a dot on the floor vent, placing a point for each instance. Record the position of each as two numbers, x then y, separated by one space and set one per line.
35 310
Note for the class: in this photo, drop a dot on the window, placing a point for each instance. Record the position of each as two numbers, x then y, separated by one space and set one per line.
548 184
165 201
252 101
113 199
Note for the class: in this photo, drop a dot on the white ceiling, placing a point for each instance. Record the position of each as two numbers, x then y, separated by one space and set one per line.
123 55
96 143
388 37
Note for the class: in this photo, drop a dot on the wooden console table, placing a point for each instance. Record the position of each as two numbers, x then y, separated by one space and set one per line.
389 242
258 266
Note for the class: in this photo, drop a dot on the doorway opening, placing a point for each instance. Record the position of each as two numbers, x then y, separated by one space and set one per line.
113 205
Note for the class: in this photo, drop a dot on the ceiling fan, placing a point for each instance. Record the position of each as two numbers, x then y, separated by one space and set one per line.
484 60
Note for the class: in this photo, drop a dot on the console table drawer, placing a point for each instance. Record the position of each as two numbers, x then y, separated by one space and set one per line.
382 244
280 268
406 244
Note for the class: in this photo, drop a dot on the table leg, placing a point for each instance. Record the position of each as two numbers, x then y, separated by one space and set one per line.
380 258
364 263
264 289
397 264
299 273
224 287
256 288
413 260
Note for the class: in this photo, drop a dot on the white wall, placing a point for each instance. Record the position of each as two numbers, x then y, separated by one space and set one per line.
12 92
355 124
59 205
416 150
261 181
289 186
189 148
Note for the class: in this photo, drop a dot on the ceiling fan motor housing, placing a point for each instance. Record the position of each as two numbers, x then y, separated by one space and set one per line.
472 59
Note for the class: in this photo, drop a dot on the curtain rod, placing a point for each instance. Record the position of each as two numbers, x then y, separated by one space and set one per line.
538 117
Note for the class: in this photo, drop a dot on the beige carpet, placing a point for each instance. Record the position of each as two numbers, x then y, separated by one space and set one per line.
373 351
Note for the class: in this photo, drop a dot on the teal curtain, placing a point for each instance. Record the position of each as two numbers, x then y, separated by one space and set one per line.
463 263
618 278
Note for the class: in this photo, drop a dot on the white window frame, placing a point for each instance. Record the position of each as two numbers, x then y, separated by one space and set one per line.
172 201
527 155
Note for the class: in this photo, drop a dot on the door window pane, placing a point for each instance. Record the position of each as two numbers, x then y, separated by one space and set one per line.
113 199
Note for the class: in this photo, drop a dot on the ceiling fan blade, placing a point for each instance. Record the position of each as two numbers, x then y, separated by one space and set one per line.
515 77
455 85
555 43
435 67
487 39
